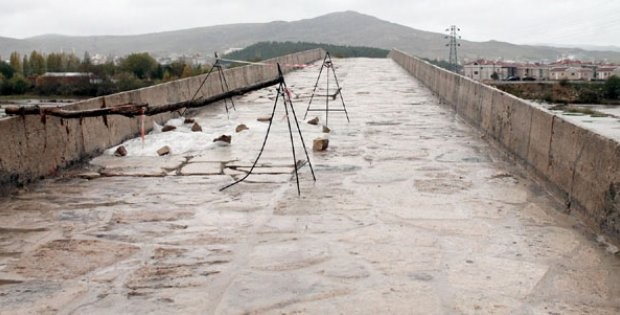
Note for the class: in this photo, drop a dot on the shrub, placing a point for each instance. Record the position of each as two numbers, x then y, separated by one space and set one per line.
19 84
142 65
612 87
548 97
588 96
6 70
126 81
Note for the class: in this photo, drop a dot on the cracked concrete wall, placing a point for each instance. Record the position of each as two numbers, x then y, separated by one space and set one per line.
33 147
580 166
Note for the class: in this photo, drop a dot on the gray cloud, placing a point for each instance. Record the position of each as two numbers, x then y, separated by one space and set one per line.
594 22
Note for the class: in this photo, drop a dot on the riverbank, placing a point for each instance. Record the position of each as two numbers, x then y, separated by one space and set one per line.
562 92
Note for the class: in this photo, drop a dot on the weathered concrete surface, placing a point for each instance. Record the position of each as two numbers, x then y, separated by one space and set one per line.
412 213
31 148
580 164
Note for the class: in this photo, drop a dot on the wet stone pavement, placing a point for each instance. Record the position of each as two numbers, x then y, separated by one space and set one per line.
412 213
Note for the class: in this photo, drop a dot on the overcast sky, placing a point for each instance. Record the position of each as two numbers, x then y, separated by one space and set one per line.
585 22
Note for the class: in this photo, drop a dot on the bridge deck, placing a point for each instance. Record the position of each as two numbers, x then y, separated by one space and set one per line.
412 212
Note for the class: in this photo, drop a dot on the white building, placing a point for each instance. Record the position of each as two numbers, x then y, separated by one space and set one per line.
536 71
604 72
571 73
483 70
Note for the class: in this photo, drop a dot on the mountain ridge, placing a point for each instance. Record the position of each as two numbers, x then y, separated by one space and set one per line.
339 28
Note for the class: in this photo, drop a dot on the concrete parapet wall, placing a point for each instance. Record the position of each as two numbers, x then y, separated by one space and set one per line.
32 147
582 167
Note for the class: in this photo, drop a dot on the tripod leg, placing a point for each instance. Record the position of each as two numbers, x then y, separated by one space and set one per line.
327 99
341 98
221 75
205 79
301 137
262 147
290 132
216 65
315 85
228 89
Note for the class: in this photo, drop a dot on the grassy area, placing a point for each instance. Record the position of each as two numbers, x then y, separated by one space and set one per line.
266 50
563 92
579 110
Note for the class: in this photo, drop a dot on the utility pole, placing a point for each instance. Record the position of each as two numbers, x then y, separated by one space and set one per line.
452 44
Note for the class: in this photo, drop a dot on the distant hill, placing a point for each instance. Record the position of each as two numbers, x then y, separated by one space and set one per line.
340 28
266 50
586 47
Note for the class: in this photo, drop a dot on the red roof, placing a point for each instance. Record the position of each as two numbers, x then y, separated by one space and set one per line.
556 69
484 62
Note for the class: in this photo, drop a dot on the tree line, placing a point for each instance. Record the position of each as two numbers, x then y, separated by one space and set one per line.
566 92
26 74
266 50
445 64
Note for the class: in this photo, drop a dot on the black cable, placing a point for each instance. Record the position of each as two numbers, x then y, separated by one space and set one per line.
264 142
282 89
216 64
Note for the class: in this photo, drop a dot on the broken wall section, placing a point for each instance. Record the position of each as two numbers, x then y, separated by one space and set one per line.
581 166
34 147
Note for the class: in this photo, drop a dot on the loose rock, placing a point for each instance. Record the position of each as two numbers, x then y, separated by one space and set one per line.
314 121
120 151
241 128
422 276
326 129
264 119
164 150
320 144
611 249
223 138
196 127
168 128
189 121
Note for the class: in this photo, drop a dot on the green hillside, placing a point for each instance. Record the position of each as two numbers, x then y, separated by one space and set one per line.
266 50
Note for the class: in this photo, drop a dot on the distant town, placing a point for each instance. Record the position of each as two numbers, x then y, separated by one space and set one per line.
565 69
65 74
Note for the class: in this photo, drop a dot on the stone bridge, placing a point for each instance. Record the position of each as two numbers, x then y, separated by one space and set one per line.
440 196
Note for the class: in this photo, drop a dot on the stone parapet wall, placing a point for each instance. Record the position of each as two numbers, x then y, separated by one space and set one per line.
32 147
581 166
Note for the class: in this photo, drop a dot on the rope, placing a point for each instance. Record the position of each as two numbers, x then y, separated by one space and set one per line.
142 125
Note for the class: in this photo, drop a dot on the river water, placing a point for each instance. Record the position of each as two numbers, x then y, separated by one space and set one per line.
607 124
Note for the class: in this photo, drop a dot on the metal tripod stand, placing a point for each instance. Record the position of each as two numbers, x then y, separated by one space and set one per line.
223 83
283 92
327 64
